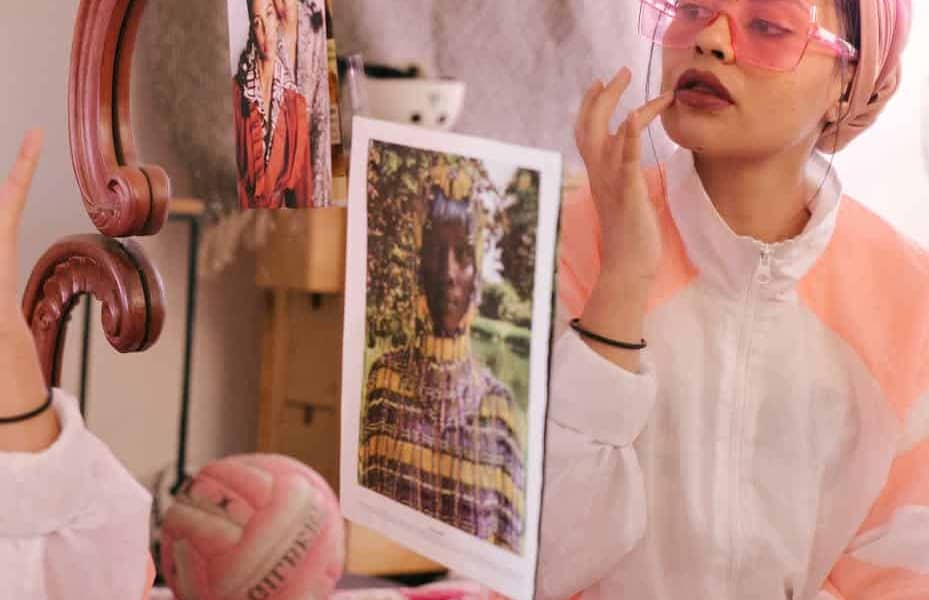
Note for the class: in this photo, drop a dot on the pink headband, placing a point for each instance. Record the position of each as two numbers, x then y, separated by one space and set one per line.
885 25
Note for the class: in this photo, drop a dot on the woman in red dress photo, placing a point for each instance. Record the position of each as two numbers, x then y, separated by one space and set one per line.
271 128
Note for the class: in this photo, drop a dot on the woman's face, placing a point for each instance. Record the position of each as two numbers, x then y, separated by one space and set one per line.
769 112
448 275
264 27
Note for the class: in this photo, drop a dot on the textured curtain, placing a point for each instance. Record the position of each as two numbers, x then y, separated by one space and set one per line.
526 62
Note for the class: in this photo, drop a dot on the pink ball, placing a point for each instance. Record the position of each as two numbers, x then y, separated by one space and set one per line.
253 527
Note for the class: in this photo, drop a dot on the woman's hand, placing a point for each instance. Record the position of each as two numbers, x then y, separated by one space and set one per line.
22 385
629 226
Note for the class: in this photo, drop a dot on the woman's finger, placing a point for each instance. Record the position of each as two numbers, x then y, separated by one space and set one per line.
13 192
583 115
632 150
15 189
604 106
636 123
651 109
617 143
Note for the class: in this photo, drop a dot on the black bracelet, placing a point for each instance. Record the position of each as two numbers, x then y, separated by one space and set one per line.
29 415
576 326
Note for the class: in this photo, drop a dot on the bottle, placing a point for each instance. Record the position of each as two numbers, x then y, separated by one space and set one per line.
357 91
339 158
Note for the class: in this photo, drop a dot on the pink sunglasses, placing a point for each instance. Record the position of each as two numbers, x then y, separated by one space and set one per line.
772 34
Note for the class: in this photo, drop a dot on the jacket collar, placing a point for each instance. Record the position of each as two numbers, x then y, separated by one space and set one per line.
738 264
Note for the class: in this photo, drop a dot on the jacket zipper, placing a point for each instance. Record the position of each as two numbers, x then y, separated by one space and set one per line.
761 277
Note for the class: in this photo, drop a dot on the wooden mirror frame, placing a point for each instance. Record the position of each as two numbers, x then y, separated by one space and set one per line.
121 197
117 274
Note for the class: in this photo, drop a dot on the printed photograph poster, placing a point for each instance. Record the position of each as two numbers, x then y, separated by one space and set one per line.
448 311
280 87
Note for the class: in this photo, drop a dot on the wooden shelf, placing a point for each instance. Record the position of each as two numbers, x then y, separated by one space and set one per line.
370 553
301 367
306 251
187 207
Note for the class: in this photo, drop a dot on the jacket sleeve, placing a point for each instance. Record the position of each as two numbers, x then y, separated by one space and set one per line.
594 497
889 558
73 521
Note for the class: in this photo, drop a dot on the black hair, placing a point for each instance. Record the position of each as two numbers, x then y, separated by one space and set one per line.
444 210
850 16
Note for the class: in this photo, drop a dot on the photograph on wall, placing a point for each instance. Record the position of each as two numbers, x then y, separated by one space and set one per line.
280 79
450 266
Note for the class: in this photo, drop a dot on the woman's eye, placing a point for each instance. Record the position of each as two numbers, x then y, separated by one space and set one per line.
767 28
692 11
463 254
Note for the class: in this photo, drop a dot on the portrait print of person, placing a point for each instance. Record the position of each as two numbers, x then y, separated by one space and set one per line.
281 114
443 426
303 32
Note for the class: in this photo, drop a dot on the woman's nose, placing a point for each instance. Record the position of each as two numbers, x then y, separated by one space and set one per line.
451 266
716 39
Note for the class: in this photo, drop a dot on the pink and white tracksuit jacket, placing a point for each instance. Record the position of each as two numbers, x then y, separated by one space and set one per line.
73 521
775 444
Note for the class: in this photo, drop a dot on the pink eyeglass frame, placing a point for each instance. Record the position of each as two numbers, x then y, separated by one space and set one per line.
817 33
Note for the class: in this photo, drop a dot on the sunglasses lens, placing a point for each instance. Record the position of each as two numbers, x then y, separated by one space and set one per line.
773 33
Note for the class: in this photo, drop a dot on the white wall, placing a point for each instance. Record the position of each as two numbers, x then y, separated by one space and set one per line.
887 168
133 400
37 95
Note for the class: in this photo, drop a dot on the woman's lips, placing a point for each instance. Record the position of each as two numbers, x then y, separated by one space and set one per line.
702 100
703 90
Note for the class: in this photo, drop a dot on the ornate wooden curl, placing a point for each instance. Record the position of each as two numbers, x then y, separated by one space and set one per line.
122 198
116 274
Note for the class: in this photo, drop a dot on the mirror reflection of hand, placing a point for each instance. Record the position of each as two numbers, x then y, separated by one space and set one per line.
22 385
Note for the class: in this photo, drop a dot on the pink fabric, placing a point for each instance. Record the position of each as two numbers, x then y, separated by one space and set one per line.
885 26
453 590
254 527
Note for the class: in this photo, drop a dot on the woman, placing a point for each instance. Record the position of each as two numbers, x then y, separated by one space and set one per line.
270 119
439 432
301 25
73 521
304 41
771 442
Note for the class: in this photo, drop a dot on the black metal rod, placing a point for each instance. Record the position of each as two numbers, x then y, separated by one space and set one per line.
194 250
85 352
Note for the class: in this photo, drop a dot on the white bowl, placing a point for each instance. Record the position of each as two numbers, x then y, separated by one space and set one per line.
431 103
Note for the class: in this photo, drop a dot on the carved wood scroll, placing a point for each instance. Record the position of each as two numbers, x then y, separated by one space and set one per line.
122 198
117 274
